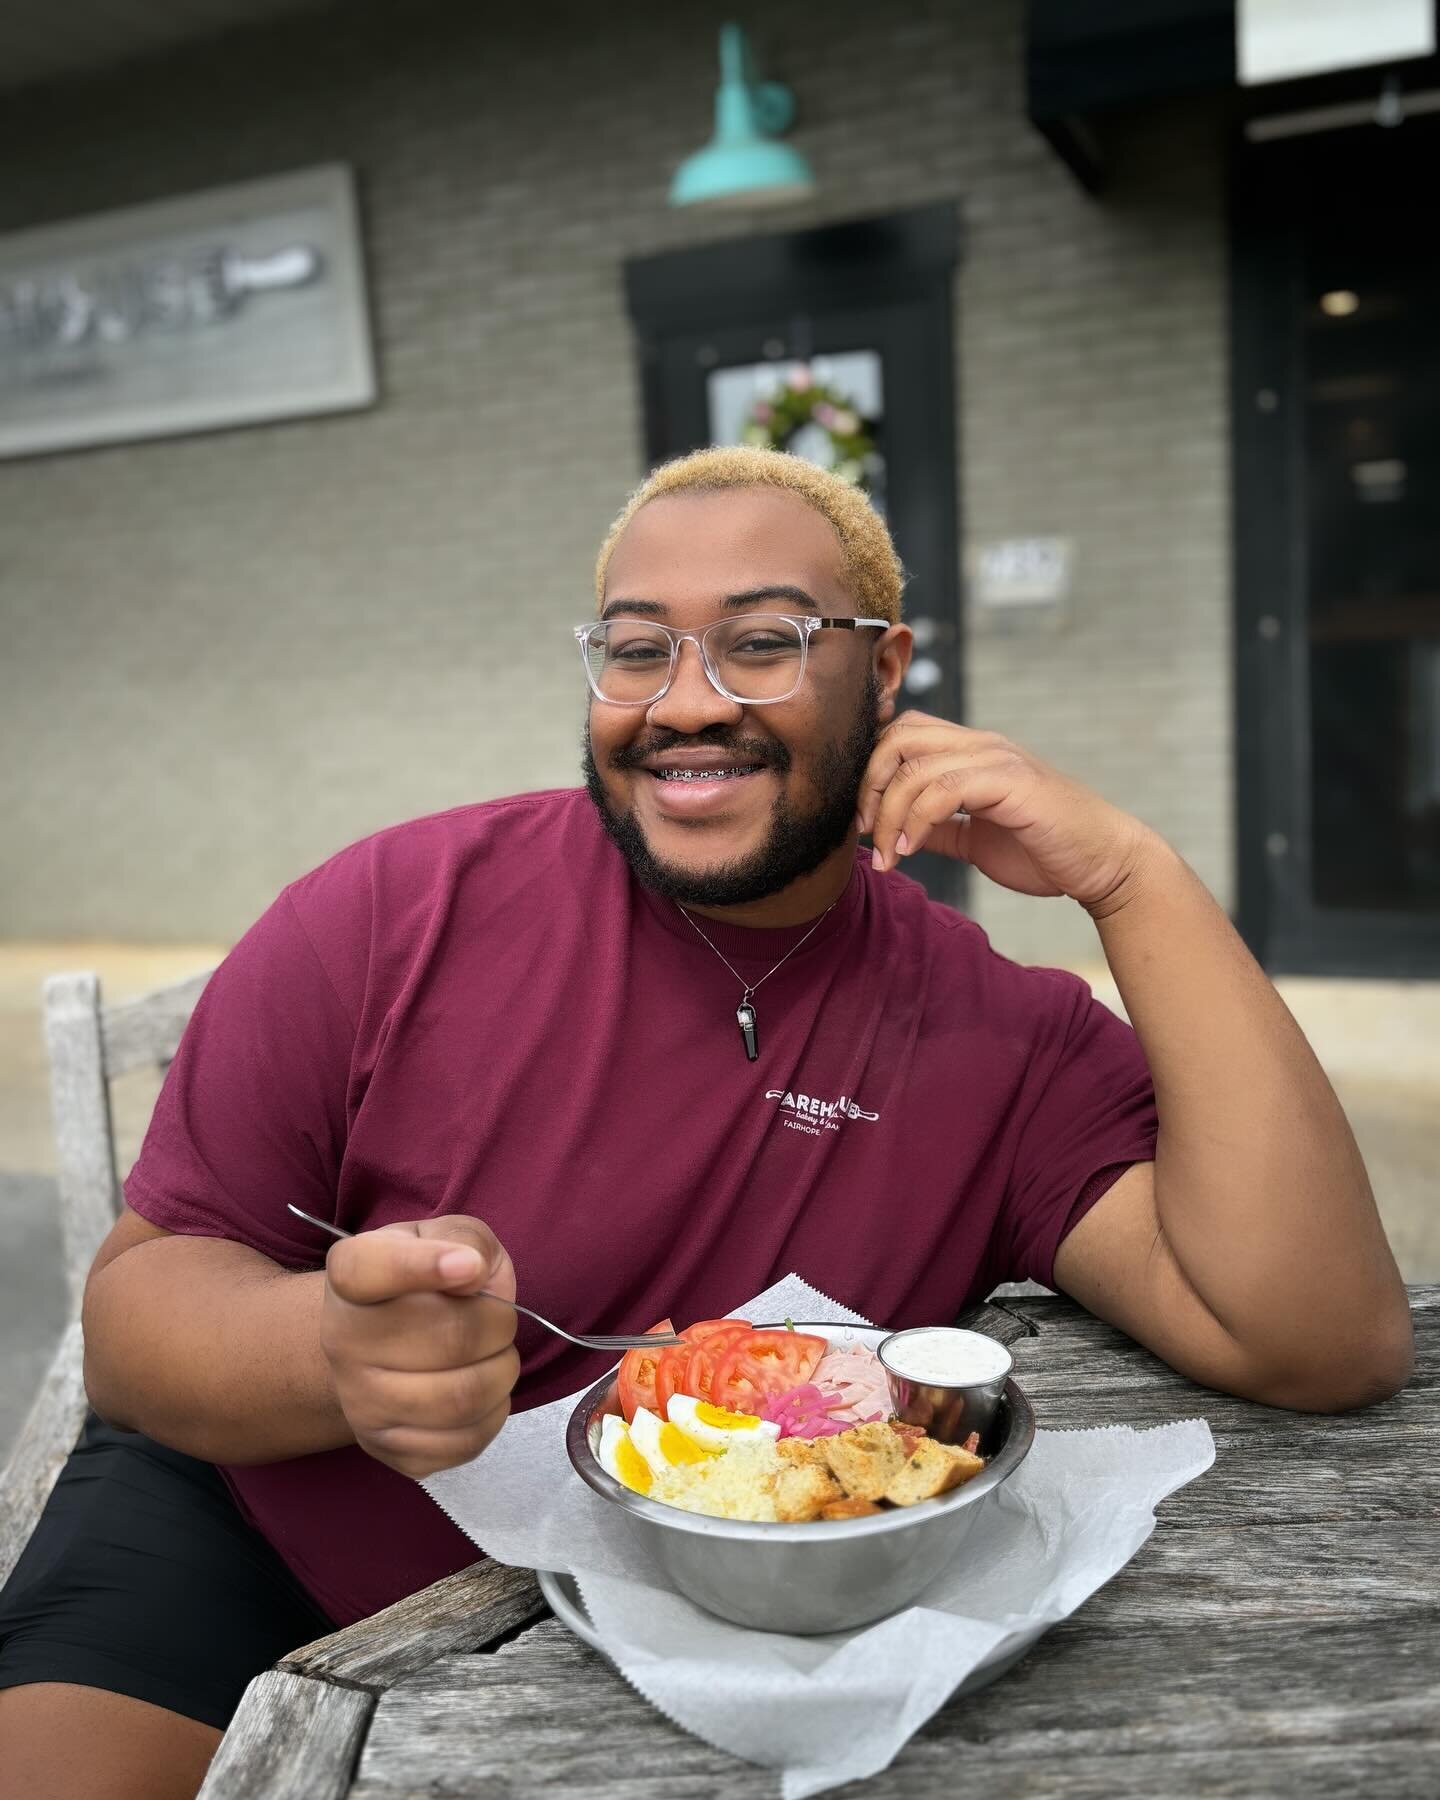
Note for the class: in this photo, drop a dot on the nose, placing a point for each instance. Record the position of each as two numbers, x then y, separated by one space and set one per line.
692 701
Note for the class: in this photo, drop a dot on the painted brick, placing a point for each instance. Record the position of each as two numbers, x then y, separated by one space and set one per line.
225 656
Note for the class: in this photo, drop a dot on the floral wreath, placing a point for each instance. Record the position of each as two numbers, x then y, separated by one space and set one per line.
802 401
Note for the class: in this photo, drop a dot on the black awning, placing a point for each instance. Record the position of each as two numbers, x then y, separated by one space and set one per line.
1105 53
1085 58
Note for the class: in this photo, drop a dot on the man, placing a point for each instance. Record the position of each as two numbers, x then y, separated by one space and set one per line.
641 1057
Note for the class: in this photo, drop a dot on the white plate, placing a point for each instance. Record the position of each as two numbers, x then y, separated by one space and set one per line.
563 1594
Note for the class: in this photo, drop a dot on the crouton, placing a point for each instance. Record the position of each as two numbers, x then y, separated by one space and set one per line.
866 1460
801 1491
801 1451
932 1469
873 1432
964 1455
850 1509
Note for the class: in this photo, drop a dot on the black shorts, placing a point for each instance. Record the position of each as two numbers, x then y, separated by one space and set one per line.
141 1577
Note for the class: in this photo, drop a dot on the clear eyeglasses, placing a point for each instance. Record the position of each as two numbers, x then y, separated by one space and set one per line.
754 659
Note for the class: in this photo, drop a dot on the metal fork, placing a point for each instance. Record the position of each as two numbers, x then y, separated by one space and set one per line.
596 1341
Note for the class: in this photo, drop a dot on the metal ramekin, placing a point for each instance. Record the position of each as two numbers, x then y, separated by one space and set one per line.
949 1412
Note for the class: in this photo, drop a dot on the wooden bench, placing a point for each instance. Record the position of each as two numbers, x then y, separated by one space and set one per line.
89 1046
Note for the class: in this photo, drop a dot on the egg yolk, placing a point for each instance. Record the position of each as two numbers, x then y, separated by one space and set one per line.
632 1467
675 1447
722 1420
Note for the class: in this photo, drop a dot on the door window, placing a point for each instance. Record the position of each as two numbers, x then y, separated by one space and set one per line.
854 376
1371 355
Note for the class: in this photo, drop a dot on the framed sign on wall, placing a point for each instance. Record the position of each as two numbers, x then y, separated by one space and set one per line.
228 307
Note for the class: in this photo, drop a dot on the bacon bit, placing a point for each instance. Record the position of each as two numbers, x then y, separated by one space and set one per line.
909 1435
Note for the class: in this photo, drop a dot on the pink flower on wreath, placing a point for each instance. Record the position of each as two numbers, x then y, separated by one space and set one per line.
763 412
801 380
825 414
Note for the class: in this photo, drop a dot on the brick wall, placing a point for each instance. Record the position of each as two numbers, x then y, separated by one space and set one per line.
224 656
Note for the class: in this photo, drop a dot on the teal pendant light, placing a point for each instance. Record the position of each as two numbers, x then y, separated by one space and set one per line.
744 164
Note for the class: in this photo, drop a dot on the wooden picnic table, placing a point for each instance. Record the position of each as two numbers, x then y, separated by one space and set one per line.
1278 1635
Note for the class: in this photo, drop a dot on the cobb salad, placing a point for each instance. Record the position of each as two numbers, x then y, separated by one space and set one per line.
771 1425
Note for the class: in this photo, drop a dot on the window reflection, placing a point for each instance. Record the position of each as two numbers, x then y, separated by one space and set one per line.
1372 440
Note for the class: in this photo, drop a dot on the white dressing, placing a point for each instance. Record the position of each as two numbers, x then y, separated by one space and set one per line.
943 1356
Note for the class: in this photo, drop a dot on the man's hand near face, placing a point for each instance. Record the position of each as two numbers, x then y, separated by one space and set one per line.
1250 1254
423 1368
1023 824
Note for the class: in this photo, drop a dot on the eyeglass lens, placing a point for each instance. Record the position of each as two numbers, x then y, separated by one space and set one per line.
756 657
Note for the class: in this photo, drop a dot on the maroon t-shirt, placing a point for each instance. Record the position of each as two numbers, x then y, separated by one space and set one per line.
485 1012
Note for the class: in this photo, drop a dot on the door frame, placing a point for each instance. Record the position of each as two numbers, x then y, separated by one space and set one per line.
865 262
1275 913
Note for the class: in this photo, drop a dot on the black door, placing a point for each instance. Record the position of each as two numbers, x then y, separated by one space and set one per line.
865 309
1337 398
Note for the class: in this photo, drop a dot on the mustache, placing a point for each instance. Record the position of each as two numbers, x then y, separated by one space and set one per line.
743 749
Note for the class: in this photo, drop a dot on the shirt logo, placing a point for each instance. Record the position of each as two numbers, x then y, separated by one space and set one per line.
807 1113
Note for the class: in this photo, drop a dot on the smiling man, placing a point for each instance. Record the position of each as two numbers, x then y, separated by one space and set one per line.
715 799
639 1051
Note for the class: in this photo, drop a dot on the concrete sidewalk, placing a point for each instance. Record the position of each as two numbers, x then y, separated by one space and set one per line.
1379 1042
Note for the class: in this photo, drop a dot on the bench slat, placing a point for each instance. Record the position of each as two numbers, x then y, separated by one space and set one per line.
462 1612
46 1439
145 1032
291 1739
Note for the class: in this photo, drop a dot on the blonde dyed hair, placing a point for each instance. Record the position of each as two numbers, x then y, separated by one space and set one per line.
872 568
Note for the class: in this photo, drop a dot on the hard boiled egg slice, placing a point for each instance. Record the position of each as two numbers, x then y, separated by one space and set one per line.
618 1456
663 1445
716 1428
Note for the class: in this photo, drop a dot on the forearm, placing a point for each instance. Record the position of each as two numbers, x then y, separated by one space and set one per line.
211 1348
1260 1190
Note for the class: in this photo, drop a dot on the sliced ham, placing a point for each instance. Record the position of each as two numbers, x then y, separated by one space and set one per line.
855 1376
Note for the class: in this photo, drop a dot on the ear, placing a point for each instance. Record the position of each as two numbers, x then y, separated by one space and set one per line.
892 659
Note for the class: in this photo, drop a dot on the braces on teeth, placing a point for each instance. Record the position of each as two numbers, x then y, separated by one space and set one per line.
702 774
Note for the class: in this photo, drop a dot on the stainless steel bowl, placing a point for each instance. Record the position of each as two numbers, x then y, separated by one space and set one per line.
829 1575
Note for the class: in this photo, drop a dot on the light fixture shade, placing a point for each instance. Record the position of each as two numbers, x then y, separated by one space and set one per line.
754 173
744 164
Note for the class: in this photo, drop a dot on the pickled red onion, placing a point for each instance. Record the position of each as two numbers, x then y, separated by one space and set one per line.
803 1412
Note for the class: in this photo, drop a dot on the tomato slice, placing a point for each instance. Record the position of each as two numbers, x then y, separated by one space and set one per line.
751 1369
670 1375
706 1329
707 1339
636 1377
725 1361
699 1374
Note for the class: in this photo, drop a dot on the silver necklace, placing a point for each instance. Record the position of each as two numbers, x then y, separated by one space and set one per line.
745 1011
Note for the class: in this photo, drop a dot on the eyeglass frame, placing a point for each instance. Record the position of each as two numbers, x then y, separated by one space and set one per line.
806 622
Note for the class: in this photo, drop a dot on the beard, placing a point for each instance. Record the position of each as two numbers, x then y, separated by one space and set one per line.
797 841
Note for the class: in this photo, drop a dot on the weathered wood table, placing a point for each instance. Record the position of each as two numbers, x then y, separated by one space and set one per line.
1278 1635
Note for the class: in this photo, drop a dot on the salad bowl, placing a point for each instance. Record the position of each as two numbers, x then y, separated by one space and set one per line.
822 1576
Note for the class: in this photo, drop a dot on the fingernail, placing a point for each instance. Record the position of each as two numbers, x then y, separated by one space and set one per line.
860 822
902 844
460 1265
877 861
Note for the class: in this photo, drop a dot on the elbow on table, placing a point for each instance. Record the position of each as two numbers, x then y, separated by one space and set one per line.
1351 1381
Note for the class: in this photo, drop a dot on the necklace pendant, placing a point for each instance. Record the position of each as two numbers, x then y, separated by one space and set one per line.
745 1018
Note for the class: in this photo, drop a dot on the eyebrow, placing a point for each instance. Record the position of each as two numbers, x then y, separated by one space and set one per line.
652 609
